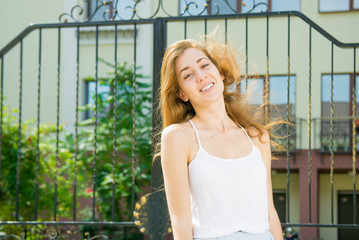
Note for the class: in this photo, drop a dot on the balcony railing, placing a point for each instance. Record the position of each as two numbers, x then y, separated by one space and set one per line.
342 132
289 135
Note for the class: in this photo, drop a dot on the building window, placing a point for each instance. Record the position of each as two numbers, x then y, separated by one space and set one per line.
338 6
221 7
285 5
110 11
255 88
278 89
346 214
341 94
273 5
95 5
103 91
278 104
195 7
341 121
343 109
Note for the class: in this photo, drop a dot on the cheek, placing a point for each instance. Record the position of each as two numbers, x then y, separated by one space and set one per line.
185 85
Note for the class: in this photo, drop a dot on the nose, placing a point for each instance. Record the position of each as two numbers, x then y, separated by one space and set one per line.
201 75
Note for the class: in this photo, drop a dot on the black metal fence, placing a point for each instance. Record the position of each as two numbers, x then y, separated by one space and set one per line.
81 180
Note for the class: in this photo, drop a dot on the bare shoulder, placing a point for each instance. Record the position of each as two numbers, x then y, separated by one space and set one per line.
176 132
176 143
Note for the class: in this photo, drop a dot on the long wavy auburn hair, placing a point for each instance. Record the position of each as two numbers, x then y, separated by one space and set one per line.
174 110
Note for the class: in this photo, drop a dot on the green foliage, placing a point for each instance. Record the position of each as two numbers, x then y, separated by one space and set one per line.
61 169
124 128
27 169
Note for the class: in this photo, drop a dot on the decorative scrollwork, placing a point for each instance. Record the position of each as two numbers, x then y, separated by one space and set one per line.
110 10
256 5
63 231
65 16
45 232
88 236
50 231
10 236
194 6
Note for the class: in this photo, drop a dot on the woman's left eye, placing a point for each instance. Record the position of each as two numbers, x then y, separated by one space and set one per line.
205 65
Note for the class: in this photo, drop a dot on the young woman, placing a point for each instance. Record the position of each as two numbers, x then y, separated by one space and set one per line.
215 154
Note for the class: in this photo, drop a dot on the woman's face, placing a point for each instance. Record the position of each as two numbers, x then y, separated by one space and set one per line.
198 78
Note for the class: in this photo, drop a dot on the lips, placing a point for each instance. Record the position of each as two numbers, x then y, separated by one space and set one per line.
208 86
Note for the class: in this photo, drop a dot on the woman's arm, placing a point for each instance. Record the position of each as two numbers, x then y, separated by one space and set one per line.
274 223
174 157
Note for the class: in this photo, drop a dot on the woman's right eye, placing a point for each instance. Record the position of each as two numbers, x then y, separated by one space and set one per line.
187 76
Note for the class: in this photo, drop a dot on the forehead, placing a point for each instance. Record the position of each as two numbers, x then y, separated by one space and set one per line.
189 57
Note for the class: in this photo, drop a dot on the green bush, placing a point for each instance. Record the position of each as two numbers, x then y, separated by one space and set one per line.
65 164
27 169
124 128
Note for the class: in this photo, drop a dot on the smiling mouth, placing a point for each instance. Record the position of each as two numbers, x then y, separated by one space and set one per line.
206 87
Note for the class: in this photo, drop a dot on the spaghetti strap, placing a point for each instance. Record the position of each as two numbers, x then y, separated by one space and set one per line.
195 131
246 134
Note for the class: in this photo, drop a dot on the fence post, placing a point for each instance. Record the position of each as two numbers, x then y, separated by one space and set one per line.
159 46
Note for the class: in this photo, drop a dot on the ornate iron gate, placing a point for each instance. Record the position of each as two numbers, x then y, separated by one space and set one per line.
164 30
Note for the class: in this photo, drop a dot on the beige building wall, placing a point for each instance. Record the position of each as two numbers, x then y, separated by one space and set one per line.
339 24
279 183
342 182
16 16
19 14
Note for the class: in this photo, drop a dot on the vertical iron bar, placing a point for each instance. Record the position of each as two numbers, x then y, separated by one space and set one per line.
205 28
76 122
114 132
310 126
159 47
38 125
1 105
315 128
332 133
133 158
354 148
95 132
246 53
225 30
300 135
185 29
266 84
288 119
19 134
57 119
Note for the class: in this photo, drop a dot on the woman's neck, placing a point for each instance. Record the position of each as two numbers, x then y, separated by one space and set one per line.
213 116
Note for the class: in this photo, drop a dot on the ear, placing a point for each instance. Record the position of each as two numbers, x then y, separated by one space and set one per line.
183 97
222 76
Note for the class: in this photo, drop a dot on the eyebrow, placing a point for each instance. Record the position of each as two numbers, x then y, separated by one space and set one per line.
185 68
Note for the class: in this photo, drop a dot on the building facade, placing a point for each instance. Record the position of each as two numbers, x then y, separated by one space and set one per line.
285 56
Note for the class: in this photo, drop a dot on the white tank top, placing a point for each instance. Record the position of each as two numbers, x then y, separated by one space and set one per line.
227 195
